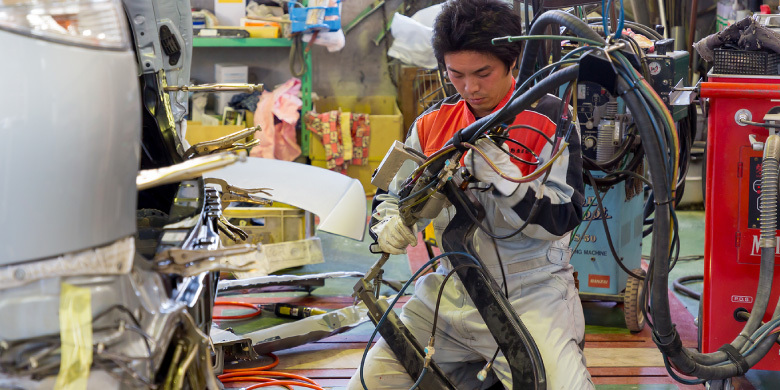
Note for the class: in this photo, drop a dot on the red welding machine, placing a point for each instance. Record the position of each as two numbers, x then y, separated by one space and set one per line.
731 251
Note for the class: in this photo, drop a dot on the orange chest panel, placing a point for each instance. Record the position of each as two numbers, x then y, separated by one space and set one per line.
436 128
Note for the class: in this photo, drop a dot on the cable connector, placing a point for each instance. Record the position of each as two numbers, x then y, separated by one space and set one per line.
482 374
429 351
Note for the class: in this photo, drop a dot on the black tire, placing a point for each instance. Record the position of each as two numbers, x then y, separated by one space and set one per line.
632 308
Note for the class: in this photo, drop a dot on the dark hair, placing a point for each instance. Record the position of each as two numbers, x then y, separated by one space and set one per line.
470 25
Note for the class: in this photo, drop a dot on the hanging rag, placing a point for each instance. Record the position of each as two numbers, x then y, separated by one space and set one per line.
277 114
326 126
345 137
245 101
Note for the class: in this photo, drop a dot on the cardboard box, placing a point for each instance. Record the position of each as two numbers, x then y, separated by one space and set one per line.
260 28
228 73
270 225
385 119
229 12
262 31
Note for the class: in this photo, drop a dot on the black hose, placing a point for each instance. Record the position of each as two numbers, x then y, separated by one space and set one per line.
640 28
679 286
531 52
523 102
636 160
665 335
603 218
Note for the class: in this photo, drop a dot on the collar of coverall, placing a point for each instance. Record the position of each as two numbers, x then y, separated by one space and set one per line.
502 103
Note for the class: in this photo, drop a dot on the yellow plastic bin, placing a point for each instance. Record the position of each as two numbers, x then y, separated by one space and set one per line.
197 132
270 225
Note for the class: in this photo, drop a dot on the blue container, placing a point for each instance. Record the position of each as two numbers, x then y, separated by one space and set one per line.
299 13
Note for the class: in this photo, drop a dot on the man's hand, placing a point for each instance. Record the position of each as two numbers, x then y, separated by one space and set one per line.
484 173
393 236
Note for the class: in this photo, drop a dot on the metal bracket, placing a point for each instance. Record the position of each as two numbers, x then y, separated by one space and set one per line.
186 256
682 95
332 319
227 87
755 144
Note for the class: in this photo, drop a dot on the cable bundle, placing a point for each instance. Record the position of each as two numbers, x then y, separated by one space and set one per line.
661 146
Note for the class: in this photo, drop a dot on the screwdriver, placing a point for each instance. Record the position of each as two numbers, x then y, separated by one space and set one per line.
287 310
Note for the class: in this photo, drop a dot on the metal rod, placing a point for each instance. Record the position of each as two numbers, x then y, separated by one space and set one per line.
365 13
692 25
740 90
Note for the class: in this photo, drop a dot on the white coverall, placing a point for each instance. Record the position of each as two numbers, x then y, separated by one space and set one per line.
540 287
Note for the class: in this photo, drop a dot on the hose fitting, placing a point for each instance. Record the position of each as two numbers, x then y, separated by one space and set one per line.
429 351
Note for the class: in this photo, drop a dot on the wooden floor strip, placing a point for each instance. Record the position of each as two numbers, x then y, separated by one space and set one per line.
643 381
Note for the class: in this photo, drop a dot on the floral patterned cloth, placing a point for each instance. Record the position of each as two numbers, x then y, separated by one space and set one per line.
329 125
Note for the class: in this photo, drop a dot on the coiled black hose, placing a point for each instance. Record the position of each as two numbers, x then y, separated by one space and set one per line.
679 286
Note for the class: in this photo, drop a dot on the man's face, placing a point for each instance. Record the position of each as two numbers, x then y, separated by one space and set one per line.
480 78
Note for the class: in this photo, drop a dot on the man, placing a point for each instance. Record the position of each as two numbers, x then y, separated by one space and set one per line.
539 279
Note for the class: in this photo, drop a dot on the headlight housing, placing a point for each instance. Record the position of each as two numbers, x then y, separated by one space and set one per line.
89 23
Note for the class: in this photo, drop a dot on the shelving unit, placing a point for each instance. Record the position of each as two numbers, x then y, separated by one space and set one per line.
240 42
270 43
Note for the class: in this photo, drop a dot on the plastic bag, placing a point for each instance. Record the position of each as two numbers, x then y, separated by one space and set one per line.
412 42
334 41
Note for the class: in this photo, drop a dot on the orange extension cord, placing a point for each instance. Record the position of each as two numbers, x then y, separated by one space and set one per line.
240 316
260 374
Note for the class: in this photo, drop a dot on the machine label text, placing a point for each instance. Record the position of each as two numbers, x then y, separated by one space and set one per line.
601 281
585 237
741 299
592 210
756 250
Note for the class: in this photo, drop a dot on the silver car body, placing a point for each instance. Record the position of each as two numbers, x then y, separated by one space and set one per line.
72 118
70 124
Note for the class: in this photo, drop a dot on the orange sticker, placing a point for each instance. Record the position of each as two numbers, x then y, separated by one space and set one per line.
598 281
